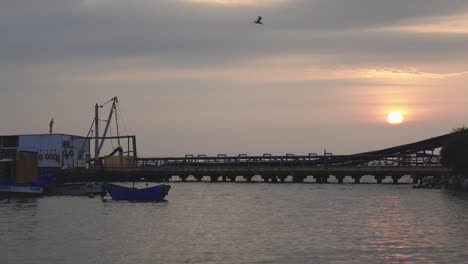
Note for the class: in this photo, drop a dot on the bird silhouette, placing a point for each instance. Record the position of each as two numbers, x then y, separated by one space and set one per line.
258 21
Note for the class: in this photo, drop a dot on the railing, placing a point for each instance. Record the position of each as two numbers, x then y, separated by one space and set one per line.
290 160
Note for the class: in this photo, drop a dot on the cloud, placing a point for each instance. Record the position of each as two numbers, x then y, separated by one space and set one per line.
185 66
187 33
239 2
456 24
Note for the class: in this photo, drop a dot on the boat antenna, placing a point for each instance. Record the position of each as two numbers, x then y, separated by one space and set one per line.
51 125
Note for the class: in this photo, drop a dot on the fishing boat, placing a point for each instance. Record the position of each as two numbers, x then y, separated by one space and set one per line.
149 194
120 162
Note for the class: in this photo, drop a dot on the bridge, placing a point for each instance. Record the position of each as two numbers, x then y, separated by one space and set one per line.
417 159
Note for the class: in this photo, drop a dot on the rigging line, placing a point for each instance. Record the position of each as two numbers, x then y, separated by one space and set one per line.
123 120
89 132
110 100
110 133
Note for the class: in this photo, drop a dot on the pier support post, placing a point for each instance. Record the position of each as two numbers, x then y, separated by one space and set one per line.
340 178
224 178
198 178
232 178
321 178
167 178
317 179
214 178
282 178
379 179
415 178
395 179
298 178
248 178
325 178
357 178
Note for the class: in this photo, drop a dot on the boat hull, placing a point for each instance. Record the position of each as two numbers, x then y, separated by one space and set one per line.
155 193
20 191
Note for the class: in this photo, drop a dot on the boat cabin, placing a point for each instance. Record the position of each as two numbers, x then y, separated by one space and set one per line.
54 151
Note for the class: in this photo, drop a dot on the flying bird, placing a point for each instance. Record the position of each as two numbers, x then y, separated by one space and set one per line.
258 21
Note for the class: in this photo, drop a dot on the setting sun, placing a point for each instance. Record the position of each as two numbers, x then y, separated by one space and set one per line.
395 118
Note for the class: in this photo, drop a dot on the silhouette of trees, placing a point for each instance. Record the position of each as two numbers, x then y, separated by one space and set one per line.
454 153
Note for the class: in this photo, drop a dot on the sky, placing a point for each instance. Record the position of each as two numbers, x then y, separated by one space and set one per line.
199 77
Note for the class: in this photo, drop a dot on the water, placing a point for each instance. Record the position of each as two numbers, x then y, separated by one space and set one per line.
242 223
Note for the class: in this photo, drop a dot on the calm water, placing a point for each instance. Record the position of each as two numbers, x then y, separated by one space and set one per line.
242 223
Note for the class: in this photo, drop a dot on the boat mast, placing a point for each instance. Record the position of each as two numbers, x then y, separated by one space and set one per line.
109 119
96 134
98 144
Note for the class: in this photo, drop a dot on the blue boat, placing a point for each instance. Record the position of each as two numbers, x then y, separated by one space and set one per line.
155 193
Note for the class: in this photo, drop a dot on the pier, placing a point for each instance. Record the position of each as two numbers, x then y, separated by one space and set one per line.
417 159
274 174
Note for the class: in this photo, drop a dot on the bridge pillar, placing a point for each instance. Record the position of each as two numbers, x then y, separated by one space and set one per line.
232 178
224 178
282 178
266 178
214 178
198 177
248 178
340 178
357 178
416 178
183 177
379 179
167 177
274 179
395 179
158 178
321 178
325 178
298 178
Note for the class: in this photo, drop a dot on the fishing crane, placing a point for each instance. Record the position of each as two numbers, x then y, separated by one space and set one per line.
98 144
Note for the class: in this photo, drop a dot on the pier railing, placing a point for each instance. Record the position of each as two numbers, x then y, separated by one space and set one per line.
311 160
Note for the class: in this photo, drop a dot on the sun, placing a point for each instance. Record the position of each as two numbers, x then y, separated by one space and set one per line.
395 118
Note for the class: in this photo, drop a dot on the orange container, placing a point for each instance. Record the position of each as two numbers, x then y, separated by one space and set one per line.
26 166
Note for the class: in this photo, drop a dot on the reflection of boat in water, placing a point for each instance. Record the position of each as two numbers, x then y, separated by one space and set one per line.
154 193
84 188
52 187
